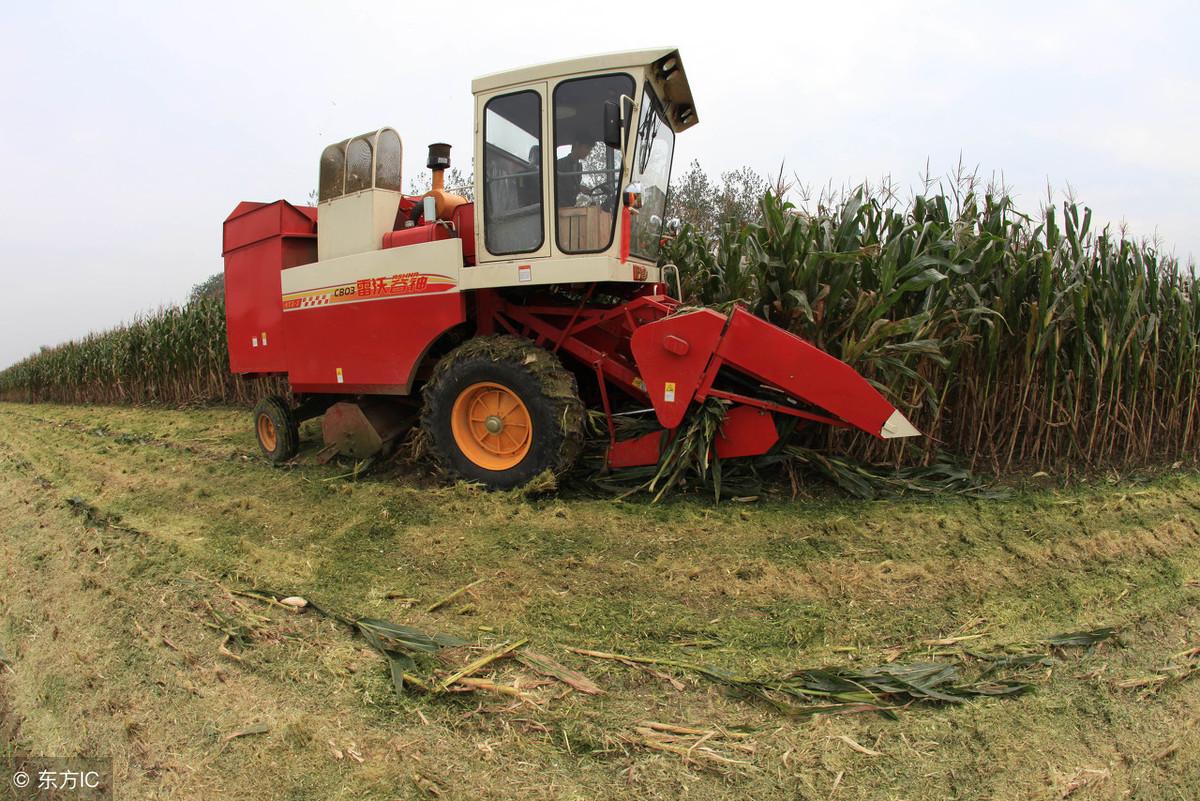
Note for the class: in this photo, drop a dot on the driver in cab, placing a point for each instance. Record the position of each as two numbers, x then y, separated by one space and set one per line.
570 172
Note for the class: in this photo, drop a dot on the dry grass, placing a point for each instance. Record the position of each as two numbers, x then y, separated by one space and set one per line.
125 637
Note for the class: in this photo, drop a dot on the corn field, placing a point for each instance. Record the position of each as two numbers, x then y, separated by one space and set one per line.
1012 342
1015 343
176 356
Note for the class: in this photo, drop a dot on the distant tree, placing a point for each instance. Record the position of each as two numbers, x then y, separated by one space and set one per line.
211 287
456 181
706 204
693 198
741 193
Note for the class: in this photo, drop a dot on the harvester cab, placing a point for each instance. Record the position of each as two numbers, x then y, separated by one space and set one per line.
510 314
573 163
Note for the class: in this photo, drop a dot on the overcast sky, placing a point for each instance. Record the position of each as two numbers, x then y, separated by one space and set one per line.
129 131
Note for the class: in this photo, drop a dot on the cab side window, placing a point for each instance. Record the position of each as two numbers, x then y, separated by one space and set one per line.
587 172
512 173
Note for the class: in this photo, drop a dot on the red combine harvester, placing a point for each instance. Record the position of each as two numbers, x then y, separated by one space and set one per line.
509 313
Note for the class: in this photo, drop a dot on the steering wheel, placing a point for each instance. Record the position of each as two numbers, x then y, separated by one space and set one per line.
603 190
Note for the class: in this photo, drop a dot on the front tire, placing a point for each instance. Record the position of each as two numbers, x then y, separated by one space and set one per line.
276 428
499 410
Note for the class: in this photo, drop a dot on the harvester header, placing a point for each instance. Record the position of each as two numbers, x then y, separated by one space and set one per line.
497 321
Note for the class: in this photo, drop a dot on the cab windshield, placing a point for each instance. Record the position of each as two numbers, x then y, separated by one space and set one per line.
653 148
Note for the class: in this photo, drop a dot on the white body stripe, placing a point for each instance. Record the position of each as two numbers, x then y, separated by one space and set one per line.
443 258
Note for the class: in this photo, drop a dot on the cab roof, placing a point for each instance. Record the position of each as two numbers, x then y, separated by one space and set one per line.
671 83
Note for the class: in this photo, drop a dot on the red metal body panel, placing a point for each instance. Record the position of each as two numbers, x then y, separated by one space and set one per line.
376 346
746 432
463 226
637 452
775 357
369 348
260 240
416 235
252 222
672 377
464 223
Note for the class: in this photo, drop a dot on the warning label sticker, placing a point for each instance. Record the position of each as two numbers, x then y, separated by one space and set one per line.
669 392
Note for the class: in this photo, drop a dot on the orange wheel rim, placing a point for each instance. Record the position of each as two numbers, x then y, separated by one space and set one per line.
491 426
266 432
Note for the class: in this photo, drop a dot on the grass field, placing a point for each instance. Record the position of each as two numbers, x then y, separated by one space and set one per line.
126 531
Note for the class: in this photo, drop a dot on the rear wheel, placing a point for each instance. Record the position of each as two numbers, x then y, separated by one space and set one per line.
276 428
500 410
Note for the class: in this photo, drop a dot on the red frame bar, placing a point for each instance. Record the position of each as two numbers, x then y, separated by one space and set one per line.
562 326
775 407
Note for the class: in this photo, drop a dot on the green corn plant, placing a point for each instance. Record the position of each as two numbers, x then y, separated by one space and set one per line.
1011 341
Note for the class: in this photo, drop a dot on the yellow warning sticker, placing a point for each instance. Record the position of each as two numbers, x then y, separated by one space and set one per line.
339 375
264 338
639 383
669 392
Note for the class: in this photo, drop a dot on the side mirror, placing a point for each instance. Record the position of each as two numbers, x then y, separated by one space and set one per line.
633 196
612 124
